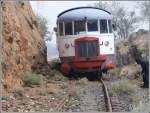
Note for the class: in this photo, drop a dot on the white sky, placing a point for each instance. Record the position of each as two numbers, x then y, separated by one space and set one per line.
50 10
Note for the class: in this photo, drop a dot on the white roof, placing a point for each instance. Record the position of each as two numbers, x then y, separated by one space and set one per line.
79 13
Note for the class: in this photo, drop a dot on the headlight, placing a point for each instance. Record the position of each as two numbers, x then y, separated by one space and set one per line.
106 43
67 45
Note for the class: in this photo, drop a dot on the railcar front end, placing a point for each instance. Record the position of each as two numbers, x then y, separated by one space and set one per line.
85 40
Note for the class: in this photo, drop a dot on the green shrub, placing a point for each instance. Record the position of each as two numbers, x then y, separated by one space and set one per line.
19 91
5 97
58 76
117 72
31 78
42 23
122 86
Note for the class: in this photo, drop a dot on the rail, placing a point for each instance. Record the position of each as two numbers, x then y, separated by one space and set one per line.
107 98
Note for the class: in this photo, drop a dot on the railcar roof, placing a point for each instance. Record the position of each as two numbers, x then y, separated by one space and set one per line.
79 13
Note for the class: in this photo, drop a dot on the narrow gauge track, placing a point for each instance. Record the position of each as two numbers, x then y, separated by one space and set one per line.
113 104
106 96
95 97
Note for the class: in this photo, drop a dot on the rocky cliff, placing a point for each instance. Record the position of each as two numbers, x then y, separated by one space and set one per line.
23 47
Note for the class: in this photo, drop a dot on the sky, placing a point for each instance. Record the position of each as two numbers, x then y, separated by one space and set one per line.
50 10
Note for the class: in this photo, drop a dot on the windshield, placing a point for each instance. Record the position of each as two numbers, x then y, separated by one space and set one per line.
110 26
79 26
103 26
68 28
92 25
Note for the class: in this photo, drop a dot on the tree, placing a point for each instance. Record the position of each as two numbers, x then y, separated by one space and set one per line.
102 5
43 26
145 10
124 21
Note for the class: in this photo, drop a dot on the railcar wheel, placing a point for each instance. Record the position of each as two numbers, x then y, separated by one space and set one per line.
67 75
71 75
90 78
93 76
99 75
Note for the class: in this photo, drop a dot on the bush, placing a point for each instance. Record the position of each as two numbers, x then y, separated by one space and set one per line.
31 78
117 72
43 26
19 91
4 97
59 76
123 86
42 22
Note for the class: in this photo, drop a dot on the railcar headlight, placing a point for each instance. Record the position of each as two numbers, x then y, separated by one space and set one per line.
106 43
67 45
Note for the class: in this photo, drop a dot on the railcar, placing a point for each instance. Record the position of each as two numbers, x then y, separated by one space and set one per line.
85 41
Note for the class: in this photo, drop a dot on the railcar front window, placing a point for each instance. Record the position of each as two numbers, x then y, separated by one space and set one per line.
79 26
68 28
60 29
110 26
103 26
92 25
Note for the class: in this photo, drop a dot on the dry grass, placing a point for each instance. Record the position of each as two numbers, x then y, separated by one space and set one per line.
82 81
142 107
123 86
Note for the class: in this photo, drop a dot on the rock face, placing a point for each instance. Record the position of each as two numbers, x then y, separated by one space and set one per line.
23 47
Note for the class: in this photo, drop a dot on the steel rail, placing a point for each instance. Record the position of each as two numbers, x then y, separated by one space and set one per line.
107 97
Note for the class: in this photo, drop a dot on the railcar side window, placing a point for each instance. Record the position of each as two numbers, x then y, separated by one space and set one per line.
92 25
110 26
68 28
103 26
60 29
79 26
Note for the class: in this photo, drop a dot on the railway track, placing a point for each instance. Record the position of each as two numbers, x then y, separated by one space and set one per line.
113 104
95 97
106 96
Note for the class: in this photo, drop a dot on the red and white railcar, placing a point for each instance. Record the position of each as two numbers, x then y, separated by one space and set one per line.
85 40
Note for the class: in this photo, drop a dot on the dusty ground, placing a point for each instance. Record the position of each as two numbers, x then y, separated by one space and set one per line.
52 95
90 97
37 98
65 95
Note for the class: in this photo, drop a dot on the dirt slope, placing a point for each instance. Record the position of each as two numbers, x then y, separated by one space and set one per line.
23 47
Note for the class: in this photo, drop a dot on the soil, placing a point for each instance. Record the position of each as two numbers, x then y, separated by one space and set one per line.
91 98
66 95
37 98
